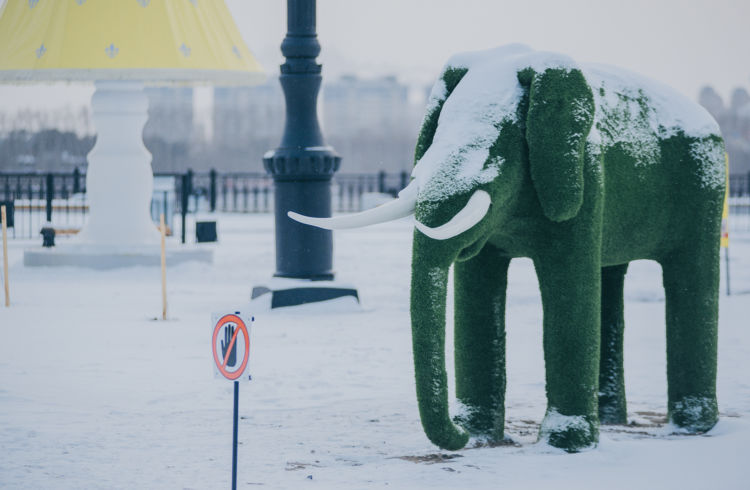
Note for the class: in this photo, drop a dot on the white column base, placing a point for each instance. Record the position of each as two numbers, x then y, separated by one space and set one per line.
119 179
98 257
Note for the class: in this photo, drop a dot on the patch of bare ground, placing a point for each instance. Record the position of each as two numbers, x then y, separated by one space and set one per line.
430 458
294 465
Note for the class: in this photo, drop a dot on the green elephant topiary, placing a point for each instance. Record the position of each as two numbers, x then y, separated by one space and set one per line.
583 169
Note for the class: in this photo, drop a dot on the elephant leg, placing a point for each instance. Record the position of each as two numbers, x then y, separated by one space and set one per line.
570 280
612 406
691 286
480 285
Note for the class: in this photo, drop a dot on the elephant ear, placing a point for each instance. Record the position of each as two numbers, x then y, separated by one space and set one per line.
559 118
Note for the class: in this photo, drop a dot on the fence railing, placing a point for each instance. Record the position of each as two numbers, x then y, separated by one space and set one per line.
35 199
739 185
60 199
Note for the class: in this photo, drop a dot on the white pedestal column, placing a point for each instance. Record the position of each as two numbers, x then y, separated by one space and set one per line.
119 179
119 183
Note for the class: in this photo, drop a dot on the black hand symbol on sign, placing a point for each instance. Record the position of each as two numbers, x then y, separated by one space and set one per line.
228 334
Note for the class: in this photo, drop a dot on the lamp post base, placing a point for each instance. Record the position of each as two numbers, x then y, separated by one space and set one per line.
282 292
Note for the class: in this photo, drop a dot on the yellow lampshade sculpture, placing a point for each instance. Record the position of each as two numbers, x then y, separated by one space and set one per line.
120 45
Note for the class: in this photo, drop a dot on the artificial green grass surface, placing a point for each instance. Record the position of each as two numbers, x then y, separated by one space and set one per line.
581 208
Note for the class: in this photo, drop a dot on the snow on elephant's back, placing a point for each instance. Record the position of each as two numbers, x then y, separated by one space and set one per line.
637 113
669 111
630 109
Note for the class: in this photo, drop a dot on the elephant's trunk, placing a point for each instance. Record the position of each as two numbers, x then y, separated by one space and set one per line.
428 294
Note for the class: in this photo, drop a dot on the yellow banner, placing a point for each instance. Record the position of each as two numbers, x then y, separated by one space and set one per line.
725 215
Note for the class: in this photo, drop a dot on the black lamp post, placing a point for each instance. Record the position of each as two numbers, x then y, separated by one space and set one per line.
302 168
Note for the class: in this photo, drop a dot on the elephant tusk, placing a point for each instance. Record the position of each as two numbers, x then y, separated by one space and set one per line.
470 215
398 208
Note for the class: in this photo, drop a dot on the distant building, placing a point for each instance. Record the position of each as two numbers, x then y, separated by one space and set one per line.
734 121
170 114
247 122
369 122
168 133
354 105
711 100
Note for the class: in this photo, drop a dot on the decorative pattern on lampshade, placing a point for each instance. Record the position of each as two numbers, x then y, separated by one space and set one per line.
149 40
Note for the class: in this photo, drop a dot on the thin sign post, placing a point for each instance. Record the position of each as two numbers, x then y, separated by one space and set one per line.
725 224
163 231
231 352
234 433
5 255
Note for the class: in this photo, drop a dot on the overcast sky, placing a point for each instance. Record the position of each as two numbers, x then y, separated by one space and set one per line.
683 43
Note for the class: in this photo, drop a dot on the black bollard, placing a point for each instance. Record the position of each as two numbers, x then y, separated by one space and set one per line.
48 236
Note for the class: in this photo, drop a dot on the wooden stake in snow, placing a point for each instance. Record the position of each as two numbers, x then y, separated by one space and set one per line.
163 230
5 255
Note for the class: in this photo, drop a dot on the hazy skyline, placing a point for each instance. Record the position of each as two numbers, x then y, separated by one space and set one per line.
685 44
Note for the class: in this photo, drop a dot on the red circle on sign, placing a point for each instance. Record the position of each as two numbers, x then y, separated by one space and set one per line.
221 363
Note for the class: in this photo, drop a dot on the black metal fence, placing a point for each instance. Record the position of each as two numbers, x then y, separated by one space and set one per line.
32 200
60 199
35 199
739 202
739 185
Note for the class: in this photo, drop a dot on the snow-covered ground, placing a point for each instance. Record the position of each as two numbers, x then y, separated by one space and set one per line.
95 392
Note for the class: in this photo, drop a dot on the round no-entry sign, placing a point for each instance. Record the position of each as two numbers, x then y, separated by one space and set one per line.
231 346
